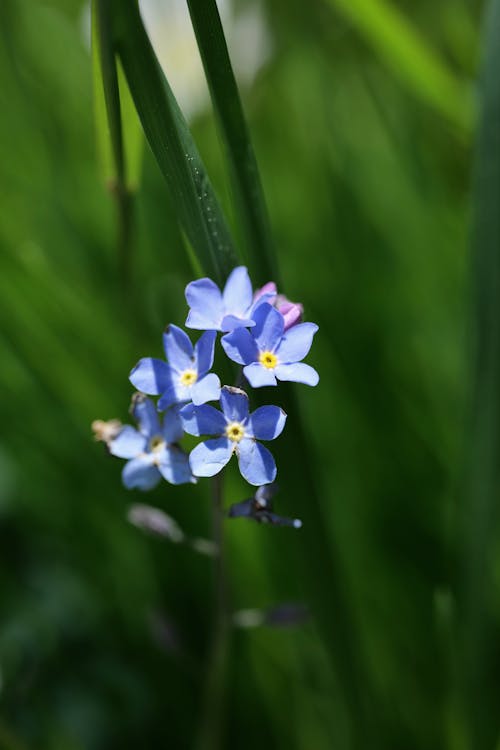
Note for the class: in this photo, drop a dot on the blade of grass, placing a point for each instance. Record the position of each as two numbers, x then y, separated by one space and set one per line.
106 92
108 118
232 123
170 140
410 58
133 140
480 516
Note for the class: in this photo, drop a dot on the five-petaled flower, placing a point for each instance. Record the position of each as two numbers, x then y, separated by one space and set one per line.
268 352
237 432
234 307
152 449
186 377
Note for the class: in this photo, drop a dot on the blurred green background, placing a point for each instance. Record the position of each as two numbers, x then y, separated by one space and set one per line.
362 117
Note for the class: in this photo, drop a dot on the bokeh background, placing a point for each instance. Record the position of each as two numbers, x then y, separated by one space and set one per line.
362 117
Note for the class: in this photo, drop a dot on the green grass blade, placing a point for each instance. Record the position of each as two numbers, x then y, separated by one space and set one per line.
410 58
482 492
133 140
232 123
108 117
168 135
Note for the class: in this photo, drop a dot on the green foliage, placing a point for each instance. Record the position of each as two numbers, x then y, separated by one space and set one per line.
361 122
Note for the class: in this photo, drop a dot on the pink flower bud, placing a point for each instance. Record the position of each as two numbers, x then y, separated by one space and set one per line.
292 311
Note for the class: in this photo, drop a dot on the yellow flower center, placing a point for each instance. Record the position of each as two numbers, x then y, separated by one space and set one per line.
235 431
189 377
268 359
156 443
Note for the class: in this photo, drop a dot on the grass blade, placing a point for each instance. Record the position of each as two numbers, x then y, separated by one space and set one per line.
112 111
168 135
232 123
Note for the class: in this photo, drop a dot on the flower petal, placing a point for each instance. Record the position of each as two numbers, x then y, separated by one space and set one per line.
266 422
174 466
240 346
296 343
256 462
210 457
234 403
178 348
267 289
145 414
230 322
269 326
129 443
299 372
205 300
151 376
258 375
173 427
204 352
206 389
139 473
174 394
202 420
238 293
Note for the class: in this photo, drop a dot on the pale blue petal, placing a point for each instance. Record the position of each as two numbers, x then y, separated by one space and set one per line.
207 308
234 403
266 422
298 373
238 292
256 463
145 414
210 457
296 343
203 420
129 443
151 376
268 297
258 375
173 427
240 346
174 466
206 389
269 327
204 352
178 348
230 322
174 394
139 473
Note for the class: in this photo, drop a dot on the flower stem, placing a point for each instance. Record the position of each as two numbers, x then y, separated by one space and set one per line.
210 736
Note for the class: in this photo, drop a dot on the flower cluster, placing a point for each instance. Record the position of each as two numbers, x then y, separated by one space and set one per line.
264 333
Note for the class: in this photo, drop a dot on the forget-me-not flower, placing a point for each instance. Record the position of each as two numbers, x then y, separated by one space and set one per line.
186 377
237 432
269 352
151 450
234 307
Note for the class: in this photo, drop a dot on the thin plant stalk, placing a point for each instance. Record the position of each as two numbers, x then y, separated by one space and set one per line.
210 736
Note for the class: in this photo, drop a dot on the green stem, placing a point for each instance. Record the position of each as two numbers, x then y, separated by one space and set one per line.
210 736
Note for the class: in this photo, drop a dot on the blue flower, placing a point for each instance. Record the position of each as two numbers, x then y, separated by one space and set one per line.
186 377
237 432
269 352
211 309
151 449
